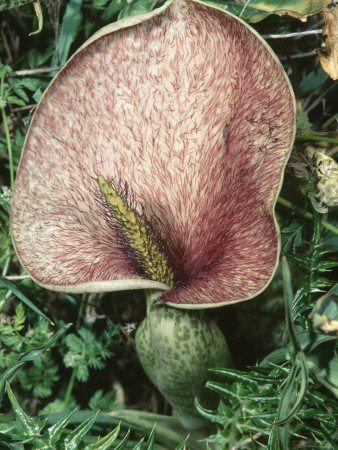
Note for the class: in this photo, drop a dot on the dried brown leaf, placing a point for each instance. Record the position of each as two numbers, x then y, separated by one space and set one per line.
329 56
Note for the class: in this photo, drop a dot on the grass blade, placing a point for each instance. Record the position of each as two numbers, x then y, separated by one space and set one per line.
23 298
68 29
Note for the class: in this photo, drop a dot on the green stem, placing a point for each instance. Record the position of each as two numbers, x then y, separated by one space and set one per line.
7 262
313 137
79 314
306 214
331 119
8 138
73 376
317 227
70 389
315 242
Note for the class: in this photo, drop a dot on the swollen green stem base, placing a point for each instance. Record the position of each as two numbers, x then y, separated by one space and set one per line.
176 348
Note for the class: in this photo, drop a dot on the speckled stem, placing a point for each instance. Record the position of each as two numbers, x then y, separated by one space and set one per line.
176 348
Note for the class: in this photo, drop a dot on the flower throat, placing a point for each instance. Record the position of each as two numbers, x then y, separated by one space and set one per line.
135 232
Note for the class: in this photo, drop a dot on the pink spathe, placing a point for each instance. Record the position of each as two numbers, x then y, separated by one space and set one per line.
148 105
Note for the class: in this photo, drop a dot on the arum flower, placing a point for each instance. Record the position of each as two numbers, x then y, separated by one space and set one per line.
180 122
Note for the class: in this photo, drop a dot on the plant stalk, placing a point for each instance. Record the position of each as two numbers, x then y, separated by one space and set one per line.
73 376
8 138
313 137
306 214
69 389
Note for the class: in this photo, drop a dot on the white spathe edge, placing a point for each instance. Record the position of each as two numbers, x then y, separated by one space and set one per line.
126 22
106 286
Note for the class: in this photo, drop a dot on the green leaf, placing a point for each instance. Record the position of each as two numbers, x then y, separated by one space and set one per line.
82 372
151 439
236 375
169 431
14 100
223 390
288 301
7 4
313 81
40 377
289 405
74 438
4 68
112 9
309 340
328 304
74 343
31 355
106 441
324 266
291 236
124 442
104 402
23 298
303 261
39 58
212 416
182 445
285 409
135 8
257 10
16 85
323 365
139 445
30 83
88 351
5 200
56 430
69 26
31 426
19 318
37 95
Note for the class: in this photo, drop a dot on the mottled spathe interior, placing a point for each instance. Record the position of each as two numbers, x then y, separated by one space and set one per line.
148 104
